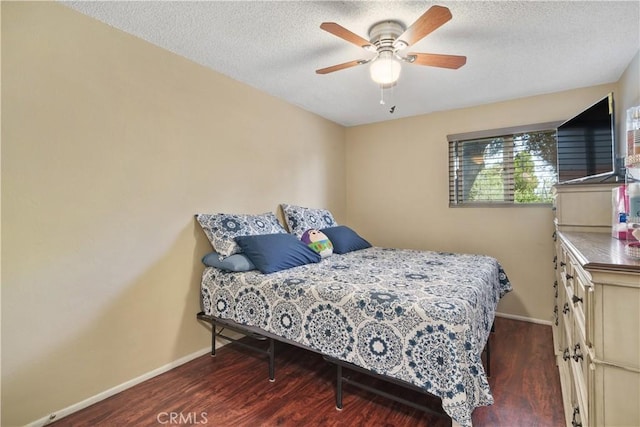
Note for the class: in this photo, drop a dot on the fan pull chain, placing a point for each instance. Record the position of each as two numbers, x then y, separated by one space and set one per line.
382 101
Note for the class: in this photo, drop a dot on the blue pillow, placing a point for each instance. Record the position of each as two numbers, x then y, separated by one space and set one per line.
275 252
236 262
345 239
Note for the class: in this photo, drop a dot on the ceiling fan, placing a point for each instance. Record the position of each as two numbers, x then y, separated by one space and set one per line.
388 38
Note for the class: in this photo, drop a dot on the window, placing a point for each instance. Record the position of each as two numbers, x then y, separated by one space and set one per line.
514 166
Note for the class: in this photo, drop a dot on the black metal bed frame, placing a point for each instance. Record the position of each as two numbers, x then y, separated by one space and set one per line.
244 330
260 335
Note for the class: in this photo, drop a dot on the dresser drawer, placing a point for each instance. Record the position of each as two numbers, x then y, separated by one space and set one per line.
567 341
564 267
581 300
578 289
577 402
580 362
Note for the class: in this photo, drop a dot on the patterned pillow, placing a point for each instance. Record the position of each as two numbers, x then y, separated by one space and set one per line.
222 229
300 219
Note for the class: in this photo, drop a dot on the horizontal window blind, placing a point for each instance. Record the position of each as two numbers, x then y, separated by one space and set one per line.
514 169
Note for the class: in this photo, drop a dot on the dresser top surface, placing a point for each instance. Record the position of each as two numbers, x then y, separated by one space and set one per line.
601 251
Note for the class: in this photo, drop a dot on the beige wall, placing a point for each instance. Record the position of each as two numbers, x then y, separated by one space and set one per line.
109 147
397 193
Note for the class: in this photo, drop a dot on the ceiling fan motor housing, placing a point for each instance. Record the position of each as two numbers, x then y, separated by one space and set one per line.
383 35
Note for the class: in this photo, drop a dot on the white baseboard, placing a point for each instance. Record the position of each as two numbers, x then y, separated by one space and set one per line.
524 319
117 389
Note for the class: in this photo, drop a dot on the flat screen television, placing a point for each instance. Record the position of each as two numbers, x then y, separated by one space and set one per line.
586 144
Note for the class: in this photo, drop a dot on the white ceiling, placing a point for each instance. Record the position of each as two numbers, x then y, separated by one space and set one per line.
514 49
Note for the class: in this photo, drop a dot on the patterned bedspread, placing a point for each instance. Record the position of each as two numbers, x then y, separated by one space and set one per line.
418 316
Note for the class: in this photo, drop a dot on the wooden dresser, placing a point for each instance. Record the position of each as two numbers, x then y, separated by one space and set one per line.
596 323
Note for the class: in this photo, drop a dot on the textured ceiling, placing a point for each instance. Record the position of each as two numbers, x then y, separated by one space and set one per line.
513 48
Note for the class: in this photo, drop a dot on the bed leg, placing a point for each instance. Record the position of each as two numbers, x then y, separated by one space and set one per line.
213 339
339 388
272 375
489 357
493 331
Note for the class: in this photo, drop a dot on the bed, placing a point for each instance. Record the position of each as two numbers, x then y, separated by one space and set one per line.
419 317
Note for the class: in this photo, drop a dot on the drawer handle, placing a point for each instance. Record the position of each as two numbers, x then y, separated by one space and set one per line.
576 299
565 308
574 423
568 276
566 355
555 314
562 263
577 353
555 284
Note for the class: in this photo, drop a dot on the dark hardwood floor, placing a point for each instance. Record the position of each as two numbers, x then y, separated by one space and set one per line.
232 389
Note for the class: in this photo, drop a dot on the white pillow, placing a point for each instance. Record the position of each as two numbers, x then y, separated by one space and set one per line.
300 219
221 229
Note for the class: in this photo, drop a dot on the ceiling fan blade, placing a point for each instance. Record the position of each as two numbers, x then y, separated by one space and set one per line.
436 60
343 33
431 20
342 66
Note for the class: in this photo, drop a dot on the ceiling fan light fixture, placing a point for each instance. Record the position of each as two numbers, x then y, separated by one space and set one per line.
385 70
